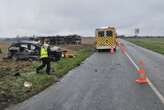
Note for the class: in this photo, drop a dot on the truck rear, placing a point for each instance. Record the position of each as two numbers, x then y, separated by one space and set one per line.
106 38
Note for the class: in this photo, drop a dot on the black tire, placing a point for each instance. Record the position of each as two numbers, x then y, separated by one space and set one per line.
98 50
115 49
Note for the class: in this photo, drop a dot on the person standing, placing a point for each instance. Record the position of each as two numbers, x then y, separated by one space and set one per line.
44 57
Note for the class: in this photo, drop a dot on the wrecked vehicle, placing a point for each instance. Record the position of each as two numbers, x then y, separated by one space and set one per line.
29 50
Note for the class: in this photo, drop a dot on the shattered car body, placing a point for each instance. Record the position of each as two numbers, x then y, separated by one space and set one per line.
29 50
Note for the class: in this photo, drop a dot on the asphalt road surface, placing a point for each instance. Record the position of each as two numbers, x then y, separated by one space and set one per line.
104 82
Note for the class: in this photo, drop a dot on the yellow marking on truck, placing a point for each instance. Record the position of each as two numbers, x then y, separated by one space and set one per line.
105 38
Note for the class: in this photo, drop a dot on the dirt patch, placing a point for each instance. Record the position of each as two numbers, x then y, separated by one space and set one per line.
14 73
5 92
5 99
3 46
9 67
9 72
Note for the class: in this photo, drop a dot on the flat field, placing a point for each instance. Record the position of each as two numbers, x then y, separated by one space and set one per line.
154 44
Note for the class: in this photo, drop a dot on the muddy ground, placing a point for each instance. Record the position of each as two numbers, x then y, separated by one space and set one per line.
3 47
8 66
10 69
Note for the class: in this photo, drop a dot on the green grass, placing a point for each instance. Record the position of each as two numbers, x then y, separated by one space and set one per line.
64 66
154 44
12 87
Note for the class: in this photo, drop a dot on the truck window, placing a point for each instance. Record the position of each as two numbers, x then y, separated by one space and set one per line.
109 33
101 34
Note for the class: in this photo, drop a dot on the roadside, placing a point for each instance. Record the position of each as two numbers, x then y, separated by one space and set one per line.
154 44
14 75
103 82
153 64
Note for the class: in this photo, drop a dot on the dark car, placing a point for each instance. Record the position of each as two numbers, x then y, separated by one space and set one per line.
26 50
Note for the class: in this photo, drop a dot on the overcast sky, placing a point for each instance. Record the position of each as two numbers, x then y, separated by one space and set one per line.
51 17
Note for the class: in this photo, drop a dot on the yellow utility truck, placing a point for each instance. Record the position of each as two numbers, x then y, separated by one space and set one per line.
106 38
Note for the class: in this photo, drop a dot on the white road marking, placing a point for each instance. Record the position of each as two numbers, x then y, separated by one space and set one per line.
156 91
132 61
149 82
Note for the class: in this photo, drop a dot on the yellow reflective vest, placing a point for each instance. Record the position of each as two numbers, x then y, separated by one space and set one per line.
43 52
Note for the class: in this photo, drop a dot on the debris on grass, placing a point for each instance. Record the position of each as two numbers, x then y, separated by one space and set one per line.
27 84
19 81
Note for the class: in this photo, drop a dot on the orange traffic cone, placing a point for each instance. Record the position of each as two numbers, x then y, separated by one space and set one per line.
142 79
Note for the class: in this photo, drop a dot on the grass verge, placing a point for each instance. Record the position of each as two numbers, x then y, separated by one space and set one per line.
12 88
63 66
154 44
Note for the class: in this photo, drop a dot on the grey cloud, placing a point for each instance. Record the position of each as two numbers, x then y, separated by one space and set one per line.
27 17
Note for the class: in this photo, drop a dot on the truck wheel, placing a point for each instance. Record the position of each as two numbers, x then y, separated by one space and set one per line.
98 50
114 49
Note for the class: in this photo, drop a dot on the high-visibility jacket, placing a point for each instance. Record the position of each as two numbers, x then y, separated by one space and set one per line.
43 52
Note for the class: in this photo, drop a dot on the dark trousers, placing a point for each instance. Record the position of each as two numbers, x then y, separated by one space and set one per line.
45 62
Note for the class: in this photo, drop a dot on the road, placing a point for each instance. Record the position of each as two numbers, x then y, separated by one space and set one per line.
104 82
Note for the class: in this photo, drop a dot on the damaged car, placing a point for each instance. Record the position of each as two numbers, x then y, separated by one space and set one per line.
29 50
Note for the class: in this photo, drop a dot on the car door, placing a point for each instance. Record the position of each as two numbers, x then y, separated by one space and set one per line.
24 51
34 51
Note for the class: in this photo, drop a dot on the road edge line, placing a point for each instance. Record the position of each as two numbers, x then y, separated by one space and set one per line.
156 91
